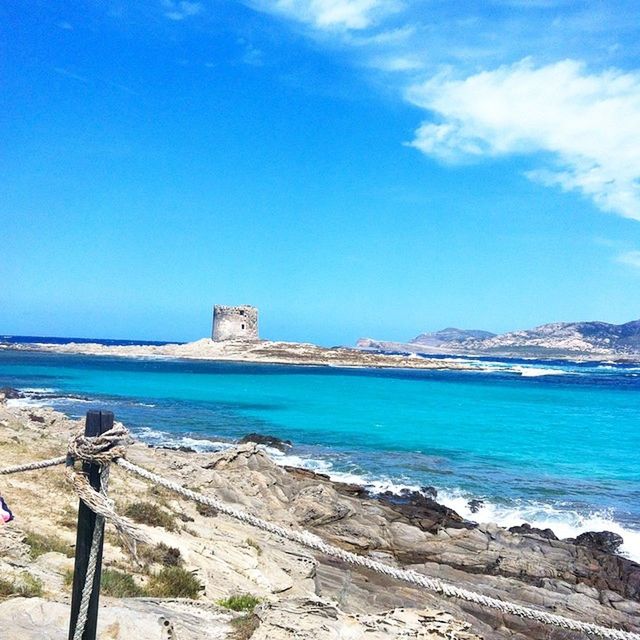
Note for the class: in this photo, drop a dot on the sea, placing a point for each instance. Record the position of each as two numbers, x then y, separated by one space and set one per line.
551 443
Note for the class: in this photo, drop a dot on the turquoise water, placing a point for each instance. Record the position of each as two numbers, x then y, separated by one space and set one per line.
559 449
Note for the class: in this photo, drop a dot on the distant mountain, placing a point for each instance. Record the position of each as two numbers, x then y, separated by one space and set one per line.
558 339
446 336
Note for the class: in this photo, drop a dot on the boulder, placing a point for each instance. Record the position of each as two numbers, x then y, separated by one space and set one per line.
528 530
422 511
9 393
606 541
268 441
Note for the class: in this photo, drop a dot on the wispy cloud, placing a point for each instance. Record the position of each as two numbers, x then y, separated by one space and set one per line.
181 9
588 122
630 258
332 14
70 74
528 78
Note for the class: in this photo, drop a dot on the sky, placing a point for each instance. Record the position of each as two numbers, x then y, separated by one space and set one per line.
354 168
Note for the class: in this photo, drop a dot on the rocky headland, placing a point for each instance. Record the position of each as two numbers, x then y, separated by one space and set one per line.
288 591
571 340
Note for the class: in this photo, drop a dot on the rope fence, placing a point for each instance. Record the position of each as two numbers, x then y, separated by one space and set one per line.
111 446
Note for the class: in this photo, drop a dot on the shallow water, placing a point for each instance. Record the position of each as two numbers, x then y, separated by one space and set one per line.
552 444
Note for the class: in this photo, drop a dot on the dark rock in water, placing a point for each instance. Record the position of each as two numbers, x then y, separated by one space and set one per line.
301 473
606 541
178 448
35 418
10 393
527 529
268 441
475 505
423 512
430 492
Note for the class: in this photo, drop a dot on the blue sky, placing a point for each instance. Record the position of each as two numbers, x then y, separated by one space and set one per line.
353 167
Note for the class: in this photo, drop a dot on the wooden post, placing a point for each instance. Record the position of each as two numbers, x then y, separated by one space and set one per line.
97 422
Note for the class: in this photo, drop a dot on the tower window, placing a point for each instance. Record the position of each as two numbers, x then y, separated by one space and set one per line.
243 326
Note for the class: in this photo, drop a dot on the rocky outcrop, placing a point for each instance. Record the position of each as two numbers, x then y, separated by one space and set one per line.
122 619
557 339
8 393
315 619
267 441
606 541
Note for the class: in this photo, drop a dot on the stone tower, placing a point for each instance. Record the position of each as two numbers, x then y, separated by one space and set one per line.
235 323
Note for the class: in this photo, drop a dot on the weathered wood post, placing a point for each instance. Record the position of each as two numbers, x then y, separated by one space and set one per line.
97 422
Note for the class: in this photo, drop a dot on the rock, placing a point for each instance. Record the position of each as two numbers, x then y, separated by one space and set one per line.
122 619
316 619
475 505
36 418
178 448
9 393
606 541
268 441
429 491
422 511
528 530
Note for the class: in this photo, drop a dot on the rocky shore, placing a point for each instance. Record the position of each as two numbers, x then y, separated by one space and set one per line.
258 351
291 593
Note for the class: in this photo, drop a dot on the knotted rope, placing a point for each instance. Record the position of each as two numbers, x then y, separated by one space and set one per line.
102 450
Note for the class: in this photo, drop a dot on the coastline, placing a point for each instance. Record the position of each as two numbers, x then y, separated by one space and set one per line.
528 566
258 352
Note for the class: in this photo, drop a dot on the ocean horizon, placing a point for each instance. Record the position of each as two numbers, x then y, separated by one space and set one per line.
545 442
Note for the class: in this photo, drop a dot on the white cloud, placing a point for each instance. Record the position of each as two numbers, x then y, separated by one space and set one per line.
589 124
181 9
630 258
333 14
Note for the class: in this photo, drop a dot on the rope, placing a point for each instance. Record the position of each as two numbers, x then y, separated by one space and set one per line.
436 585
30 466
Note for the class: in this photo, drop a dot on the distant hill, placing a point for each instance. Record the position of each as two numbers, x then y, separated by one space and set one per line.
557 339
446 336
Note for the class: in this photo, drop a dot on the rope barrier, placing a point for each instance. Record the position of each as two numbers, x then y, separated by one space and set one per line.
111 447
31 466
436 585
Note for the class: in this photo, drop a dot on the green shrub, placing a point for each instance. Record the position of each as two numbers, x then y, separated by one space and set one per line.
151 514
25 585
40 544
174 582
119 585
240 602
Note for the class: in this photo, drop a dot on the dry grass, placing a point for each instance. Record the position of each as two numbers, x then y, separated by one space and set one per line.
151 514
244 627
24 585
40 544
